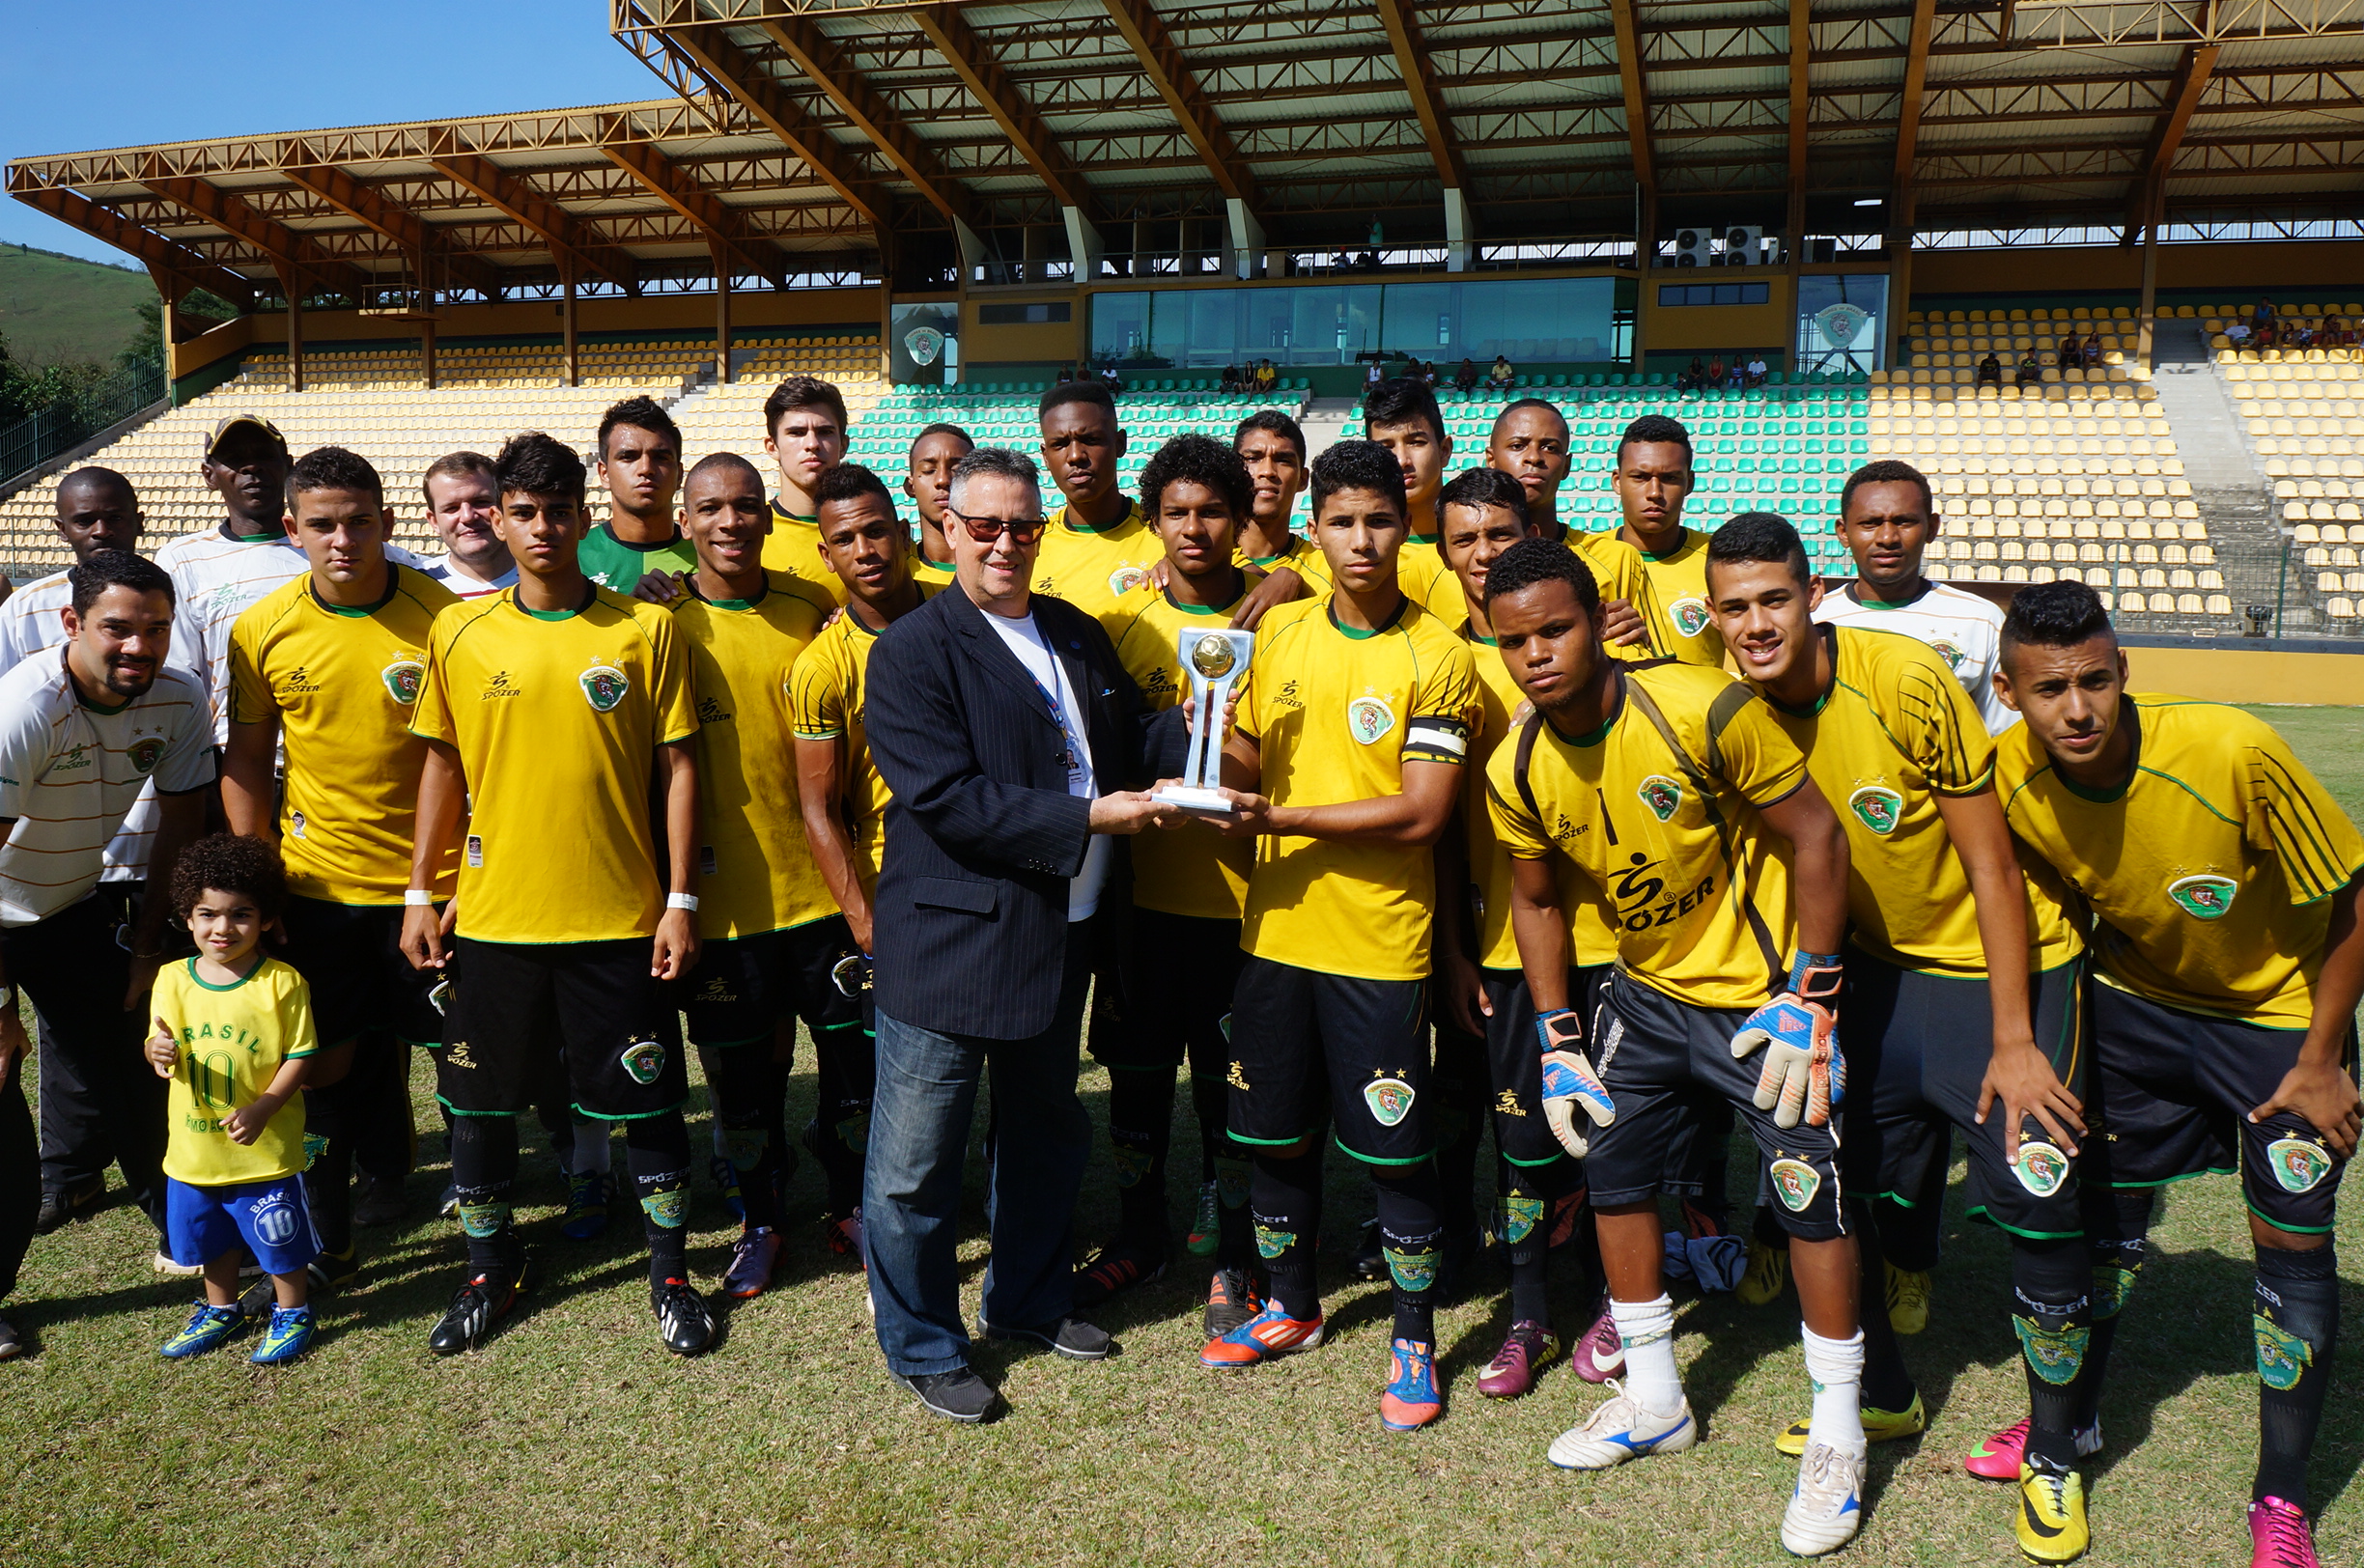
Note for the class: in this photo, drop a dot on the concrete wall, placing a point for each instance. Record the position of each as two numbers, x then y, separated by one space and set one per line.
1709 329
2330 266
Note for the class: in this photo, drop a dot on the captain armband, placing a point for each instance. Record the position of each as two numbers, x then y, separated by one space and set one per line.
1436 740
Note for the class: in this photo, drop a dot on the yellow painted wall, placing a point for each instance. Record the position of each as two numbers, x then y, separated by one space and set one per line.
1032 343
2231 672
1705 329
689 314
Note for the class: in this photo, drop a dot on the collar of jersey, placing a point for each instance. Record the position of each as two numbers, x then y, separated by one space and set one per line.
1467 635
780 514
590 598
1131 515
260 959
1204 609
1682 537
1829 634
731 604
1595 736
1422 539
613 537
1329 609
359 611
2135 767
1928 587
249 539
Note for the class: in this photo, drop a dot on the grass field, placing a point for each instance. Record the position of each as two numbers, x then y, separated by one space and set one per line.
572 1439
58 307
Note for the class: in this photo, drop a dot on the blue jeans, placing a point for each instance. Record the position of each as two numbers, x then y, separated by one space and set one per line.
1036 1148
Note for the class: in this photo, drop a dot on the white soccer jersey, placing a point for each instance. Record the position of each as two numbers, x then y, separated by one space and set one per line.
1965 630
69 773
30 624
446 572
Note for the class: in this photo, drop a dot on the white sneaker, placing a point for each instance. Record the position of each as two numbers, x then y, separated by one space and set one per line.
165 1265
1621 1430
1826 1509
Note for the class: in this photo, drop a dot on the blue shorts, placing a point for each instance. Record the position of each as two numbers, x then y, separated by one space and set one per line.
270 1220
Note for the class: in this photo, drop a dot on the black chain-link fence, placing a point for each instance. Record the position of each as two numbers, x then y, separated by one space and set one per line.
79 414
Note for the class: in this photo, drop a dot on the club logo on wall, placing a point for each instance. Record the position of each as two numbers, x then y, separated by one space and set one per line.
924 343
1840 324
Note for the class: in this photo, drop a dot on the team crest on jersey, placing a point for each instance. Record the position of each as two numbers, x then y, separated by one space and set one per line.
1946 651
2042 1167
403 679
643 1059
1389 1100
604 686
145 754
1662 794
1370 717
1795 1183
2299 1164
2206 896
1878 807
274 1218
2282 1357
1125 578
1690 616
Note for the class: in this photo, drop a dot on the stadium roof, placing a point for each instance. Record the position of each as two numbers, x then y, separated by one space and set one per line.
816 136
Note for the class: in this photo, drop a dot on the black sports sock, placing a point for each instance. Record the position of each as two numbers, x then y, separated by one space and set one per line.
2116 1223
328 1178
484 1170
1887 1383
1141 1130
1460 1090
1231 1166
2052 1310
1285 1200
657 1150
1210 1104
748 1087
1524 1201
845 1069
1412 1239
2296 1317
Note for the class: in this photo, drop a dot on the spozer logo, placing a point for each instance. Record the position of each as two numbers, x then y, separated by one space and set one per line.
1286 697
300 681
500 686
604 686
2206 896
710 711
72 762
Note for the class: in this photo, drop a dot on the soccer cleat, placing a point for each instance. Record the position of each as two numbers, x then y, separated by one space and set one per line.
684 1326
1114 1268
1525 1352
1411 1400
1270 1333
842 1234
480 1303
2279 1536
1999 1457
586 1212
209 1328
1826 1509
289 1336
1908 1298
1600 1355
726 1182
1880 1426
1205 1225
753 1257
1621 1430
2051 1521
1768 1269
1232 1298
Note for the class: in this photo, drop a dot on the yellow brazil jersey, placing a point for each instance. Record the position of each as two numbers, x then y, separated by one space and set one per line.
1093 568
2211 872
1335 715
794 548
342 682
755 872
1186 869
231 1042
557 716
1680 625
825 698
1699 887
1894 733
1426 580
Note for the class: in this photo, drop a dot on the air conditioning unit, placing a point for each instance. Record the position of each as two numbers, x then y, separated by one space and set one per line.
1742 246
1694 248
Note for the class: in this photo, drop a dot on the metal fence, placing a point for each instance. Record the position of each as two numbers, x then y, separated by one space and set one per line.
28 443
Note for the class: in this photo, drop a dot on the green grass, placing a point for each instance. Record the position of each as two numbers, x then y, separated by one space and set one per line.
572 1437
56 307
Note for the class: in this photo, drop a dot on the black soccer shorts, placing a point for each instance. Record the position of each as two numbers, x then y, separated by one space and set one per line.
592 1006
1299 1035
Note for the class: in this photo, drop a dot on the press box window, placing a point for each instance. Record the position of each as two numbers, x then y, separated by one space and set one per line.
1714 294
1023 315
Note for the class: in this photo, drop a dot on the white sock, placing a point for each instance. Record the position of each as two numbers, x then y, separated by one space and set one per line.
591 1146
1836 1366
1647 1330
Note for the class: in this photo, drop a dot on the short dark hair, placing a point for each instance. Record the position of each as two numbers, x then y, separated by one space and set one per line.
1358 465
1203 460
1760 536
941 429
534 463
1399 401
1274 421
332 468
1549 407
1652 429
459 463
230 863
849 482
93 475
641 413
1483 488
1065 393
996 461
803 392
717 459
101 570
2054 615
1531 561
1888 472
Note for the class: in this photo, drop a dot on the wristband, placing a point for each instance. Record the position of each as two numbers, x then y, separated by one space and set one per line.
413 897
682 901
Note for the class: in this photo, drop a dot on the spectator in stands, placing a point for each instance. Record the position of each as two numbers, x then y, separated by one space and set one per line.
1756 371
1465 380
1267 377
2071 356
1372 376
1500 373
2093 350
1694 375
1231 378
461 501
1990 370
1715 371
2335 333
1428 374
2261 319
2031 369
1116 382
2237 334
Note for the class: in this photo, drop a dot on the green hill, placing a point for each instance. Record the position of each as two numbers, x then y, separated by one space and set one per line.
55 307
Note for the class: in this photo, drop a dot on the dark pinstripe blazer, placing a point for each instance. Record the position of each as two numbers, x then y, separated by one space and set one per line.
970 915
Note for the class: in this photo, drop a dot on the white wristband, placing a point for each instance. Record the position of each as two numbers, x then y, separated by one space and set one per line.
681 901
418 895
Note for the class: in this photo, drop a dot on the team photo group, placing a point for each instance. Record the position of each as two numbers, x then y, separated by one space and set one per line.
1435 817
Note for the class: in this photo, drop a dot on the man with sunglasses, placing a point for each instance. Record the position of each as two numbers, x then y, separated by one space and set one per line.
1004 728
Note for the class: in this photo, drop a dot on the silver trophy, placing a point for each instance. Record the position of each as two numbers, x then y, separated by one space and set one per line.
1216 661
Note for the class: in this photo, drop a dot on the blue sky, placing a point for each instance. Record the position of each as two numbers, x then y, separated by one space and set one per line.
75 75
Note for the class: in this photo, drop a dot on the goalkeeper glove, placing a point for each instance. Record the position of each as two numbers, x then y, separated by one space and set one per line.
1804 1074
1568 1081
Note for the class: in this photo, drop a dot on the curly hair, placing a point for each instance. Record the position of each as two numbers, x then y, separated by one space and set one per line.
229 863
1364 466
1532 560
1652 430
850 482
1888 472
2054 615
1201 459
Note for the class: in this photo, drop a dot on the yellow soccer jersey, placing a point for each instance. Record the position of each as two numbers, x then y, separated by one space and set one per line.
755 871
932 575
1302 557
794 548
1895 732
1591 936
557 716
341 682
1093 568
2211 872
232 1042
1186 869
1618 572
1335 715
1680 625
1427 581
825 696
1700 898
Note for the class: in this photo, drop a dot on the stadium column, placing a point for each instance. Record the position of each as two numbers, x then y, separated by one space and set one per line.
2150 286
723 326
1458 243
290 284
566 322
1082 246
1244 239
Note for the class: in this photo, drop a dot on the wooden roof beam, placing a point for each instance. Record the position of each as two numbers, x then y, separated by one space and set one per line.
576 250
348 195
744 79
165 257
1801 113
723 225
1428 105
1628 34
1161 62
997 94
297 259
2197 64
1908 118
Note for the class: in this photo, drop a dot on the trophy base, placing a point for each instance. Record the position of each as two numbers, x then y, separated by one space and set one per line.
1197 802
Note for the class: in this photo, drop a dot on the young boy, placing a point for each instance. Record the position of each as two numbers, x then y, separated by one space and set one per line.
927 478
234 1035
639 551
805 434
1651 480
1402 416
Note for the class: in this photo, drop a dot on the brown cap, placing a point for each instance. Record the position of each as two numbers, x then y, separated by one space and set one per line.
223 427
